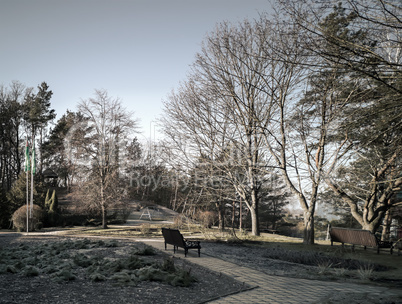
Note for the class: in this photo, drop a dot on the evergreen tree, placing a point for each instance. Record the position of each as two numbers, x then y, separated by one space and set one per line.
274 201
60 150
38 114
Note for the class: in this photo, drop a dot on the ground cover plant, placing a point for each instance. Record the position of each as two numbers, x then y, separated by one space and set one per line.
65 269
65 260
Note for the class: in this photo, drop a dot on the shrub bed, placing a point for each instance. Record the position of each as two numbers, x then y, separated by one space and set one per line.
67 260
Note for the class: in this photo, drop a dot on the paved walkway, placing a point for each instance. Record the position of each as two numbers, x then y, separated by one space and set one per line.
269 288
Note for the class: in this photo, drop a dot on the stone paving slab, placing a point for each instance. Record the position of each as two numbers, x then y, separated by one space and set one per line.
269 288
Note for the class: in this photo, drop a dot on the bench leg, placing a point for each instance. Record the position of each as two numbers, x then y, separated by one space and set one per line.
185 252
199 252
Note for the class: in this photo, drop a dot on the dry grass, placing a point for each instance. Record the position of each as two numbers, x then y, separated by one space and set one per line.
367 257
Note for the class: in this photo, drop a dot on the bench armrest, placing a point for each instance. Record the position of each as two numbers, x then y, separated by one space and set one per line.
192 243
385 244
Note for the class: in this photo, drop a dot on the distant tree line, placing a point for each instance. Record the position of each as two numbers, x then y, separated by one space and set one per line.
25 114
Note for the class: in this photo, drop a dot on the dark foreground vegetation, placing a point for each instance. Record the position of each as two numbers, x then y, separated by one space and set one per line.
59 269
69 259
319 261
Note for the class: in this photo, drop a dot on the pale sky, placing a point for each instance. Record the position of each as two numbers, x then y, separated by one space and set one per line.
137 50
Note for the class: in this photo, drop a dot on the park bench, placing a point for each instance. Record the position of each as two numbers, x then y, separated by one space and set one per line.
175 238
357 237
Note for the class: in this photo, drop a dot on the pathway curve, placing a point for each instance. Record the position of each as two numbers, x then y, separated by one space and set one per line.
273 289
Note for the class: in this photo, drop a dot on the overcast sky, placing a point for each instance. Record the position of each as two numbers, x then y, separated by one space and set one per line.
137 50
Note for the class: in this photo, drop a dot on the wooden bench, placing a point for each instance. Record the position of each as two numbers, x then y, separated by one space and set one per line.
357 237
175 238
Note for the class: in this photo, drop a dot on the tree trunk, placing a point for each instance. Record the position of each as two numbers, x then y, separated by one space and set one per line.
240 215
104 220
233 214
386 227
255 227
103 207
308 228
221 215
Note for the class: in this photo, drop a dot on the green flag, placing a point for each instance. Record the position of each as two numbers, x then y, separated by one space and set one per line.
26 166
33 160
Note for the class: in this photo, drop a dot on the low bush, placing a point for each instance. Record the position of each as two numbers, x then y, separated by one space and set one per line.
145 229
147 250
366 272
206 218
19 218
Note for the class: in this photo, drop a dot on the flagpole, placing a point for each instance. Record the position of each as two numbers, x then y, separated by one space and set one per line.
31 216
26 169
26 173
33 168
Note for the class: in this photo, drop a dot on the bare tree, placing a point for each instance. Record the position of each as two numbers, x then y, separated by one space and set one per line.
367 50
107 126
215 111
288 135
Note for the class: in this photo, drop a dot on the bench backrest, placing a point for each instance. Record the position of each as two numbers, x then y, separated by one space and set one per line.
173 237
353 236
